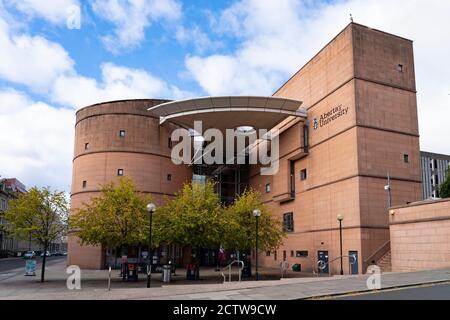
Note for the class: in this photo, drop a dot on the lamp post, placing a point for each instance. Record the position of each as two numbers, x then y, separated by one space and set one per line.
340 218
257 214
151 208
388 189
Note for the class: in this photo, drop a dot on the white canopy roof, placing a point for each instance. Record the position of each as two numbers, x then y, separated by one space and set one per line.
230 112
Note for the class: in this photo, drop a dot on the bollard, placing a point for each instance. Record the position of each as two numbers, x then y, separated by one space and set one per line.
109 279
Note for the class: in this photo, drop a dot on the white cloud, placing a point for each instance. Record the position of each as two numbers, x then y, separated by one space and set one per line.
47 68
132 17
56 12
197 37
36 141
32 61
277 37
117 83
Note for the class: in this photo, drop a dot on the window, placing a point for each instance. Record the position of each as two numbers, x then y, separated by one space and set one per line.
122 133
275 255
292 179
169 177
170 144
288 222
3 205
401 68
292 253
120 172
406 158
87 146
267 253
303 175
268 188
302 254
84 184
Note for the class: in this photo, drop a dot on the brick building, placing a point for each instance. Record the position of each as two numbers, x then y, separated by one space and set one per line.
347 119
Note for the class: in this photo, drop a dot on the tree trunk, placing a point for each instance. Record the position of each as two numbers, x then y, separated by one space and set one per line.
44 260
198 258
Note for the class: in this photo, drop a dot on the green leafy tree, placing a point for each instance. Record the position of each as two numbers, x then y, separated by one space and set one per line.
41 214
116 219
240 231
444 189
193 218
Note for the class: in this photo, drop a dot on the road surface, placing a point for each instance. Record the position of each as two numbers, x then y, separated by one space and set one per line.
433 292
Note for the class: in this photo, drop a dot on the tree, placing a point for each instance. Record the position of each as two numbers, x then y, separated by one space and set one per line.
116 219
193 218
41 214
241 224
444 189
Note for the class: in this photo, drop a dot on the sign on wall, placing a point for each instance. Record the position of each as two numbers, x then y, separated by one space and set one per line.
330 116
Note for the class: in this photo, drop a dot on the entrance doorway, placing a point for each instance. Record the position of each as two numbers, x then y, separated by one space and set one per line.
353 263
323 256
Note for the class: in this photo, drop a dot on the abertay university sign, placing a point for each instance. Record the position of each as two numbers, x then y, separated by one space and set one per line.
330 116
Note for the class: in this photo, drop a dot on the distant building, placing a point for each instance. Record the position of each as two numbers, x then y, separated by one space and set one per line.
9 188
434 169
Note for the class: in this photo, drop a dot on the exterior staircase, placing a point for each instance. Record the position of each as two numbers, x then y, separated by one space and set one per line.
385 262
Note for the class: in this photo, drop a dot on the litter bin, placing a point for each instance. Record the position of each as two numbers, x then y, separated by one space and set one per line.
297 268
167 273
132 272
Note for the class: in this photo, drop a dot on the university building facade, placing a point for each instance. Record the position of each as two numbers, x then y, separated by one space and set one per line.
347 119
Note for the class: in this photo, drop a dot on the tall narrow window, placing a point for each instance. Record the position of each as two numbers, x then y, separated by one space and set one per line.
292 179
401 68
84 184
87 146
120 172
170 144
169 177
268 188
288 222
306 138
122 133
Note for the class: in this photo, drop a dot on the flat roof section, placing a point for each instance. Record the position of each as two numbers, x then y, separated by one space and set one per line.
229 112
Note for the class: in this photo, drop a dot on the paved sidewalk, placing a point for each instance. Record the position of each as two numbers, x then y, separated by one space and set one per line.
288 289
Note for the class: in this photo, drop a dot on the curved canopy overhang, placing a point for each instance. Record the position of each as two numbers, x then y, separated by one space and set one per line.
229 112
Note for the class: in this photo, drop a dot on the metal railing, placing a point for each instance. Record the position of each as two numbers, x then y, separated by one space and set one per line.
239 262
379 253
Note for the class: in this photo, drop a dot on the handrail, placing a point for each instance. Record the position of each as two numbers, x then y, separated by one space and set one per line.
383 249
229 270
323 264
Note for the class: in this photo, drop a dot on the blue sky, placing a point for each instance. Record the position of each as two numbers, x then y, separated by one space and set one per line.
175 49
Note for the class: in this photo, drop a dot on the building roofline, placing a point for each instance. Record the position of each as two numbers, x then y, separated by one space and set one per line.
118 101
435 155
331 41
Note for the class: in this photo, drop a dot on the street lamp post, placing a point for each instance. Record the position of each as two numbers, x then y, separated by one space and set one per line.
257 214
388 188
151 208
340 218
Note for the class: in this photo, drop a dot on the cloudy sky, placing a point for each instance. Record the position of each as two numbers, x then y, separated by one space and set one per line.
51 65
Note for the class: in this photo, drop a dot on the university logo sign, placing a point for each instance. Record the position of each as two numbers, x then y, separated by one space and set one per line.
316 124
330 116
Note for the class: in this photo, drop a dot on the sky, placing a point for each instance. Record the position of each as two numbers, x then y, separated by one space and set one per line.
57 56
